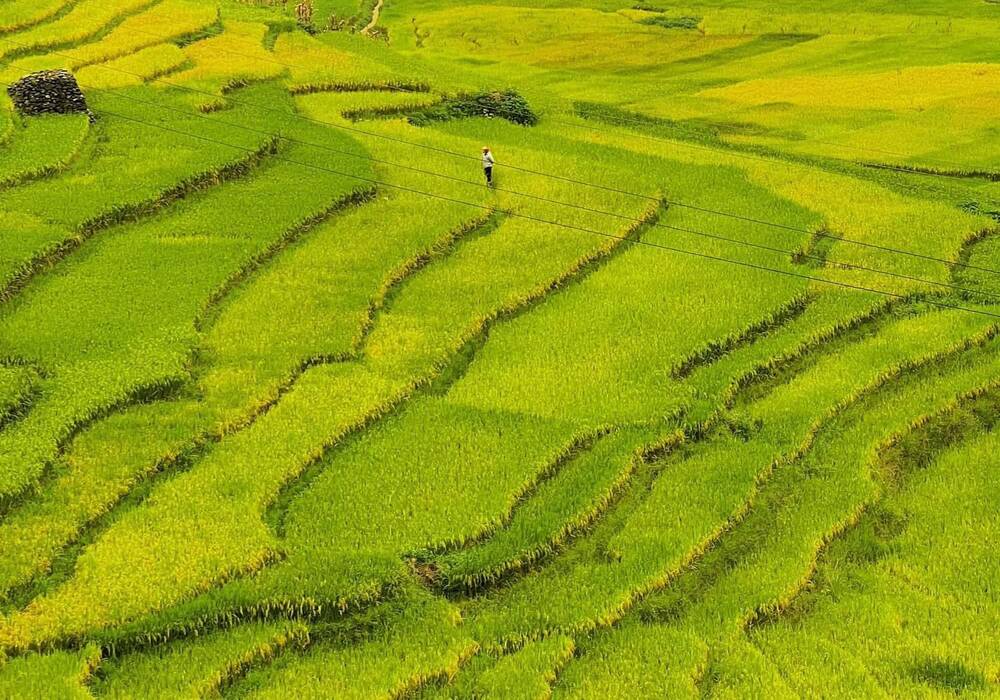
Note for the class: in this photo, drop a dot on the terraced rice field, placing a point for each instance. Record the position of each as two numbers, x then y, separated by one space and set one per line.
699 401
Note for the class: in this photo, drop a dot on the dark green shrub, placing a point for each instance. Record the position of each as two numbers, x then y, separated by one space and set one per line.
505 104
672 22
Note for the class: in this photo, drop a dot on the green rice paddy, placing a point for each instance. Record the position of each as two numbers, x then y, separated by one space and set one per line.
698 401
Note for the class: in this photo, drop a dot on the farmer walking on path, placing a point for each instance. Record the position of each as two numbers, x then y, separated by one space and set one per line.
488 165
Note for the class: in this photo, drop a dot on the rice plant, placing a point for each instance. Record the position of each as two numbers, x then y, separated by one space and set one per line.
695 397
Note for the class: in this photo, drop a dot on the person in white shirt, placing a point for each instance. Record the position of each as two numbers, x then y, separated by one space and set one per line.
488 165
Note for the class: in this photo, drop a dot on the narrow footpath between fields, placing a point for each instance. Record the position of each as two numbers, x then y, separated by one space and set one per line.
376 11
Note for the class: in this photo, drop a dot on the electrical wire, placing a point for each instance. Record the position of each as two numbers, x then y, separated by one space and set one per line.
514 214
704 234
764 222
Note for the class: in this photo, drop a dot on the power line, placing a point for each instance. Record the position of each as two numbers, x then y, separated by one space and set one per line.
619 120
764 222
630 241
528 217
561 203
548 200
818 234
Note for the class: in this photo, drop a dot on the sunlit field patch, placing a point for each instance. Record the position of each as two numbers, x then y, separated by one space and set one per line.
696 396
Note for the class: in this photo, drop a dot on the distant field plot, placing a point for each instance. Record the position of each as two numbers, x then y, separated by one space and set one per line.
133 69
20 14
84 20
697 398
164 21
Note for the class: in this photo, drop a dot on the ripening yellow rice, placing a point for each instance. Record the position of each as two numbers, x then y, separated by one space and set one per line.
20 14
132 69
310 61
907 89
163 22
579 39
237 53
84 21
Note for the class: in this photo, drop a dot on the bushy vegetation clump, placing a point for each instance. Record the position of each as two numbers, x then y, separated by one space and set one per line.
662 20
503 104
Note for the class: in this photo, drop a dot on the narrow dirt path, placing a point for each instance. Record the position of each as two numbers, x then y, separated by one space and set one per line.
376 11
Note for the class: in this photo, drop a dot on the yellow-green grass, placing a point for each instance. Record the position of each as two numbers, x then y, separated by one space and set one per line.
330 11
198 667
112 56
40 146
646 550
896 220
423 641
556 37
897 90
984 254
669 662
323 60
84 21
410 341
628 643
587 341
197 231
953 137
17 384
588 586
130 167
164 21
528 673
356 106
482 462
827 313
648 473
20 14
94 366
149 63
245 543
737 668
24 238
338 277
452 262
810 501
838 481
585 482
318 301
931 629
61 674
237 54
